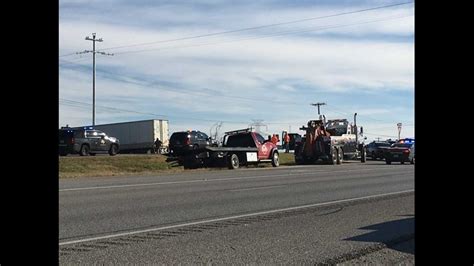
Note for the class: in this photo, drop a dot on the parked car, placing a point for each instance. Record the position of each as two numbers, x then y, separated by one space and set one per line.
398 152
86 141
375 149
183 141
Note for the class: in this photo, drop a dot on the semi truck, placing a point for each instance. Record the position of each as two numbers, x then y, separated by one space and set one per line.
139 136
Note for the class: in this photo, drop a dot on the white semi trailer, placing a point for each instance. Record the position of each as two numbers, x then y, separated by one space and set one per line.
138 136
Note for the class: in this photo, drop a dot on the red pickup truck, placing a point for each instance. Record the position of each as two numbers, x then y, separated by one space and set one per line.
240 147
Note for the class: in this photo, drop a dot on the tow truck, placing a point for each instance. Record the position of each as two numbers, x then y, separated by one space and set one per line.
330 142
240 147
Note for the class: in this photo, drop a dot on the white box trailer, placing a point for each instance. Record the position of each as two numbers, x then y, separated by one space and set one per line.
138 136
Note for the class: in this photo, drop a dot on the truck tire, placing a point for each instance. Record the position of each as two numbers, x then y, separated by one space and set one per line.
233 162
388 162
275 159
412 160
333 156
84 150
190 162
363 156
298 160
113 150
340 156
374 157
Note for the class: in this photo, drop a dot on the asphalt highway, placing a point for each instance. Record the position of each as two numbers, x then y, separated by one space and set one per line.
346 213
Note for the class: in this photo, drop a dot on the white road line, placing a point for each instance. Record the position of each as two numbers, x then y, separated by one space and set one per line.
255 188
230 218
211 180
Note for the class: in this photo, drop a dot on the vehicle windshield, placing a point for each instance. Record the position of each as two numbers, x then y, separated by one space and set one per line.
65 133
337 128
179 136
260 138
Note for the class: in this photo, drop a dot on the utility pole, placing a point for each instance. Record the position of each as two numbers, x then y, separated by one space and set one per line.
93 39
318 105
399 125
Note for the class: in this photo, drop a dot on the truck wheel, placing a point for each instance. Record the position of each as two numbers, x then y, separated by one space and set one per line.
363 156
374 157
333 158
233 161
340 156
402 162
275 159
191 162
412 160
299 160
92 154
388 162
84 150
113 150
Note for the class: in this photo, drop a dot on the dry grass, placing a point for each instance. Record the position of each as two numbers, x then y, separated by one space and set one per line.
113 165
287 158
95 166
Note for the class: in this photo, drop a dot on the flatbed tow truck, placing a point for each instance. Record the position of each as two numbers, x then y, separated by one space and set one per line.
240 147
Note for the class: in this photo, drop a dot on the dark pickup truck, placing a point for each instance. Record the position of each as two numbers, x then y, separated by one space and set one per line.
240 147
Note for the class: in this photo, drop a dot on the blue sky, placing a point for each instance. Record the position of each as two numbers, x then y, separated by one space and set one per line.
360 62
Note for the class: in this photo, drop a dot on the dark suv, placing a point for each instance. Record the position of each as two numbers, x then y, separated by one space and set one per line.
86 141
183 141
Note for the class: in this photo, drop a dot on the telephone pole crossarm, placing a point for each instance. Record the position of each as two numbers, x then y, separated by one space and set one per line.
318 105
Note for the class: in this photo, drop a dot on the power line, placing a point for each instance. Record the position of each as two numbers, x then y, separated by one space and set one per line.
72 61
258 27
249 29
66 101
67 54
310 29
188 92
364 116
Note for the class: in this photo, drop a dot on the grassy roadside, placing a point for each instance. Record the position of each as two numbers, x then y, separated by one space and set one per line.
74 166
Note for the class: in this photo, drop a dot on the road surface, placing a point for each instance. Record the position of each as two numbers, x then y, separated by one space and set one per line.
350 213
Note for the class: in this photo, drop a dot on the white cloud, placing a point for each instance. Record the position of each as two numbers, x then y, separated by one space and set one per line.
293 68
